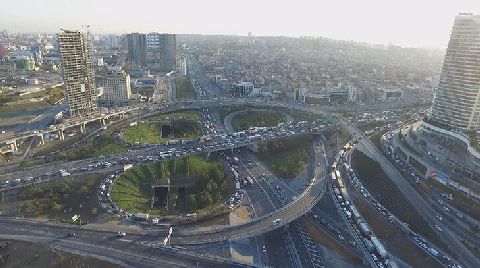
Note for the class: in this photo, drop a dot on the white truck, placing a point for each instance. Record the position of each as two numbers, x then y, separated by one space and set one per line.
64 173
379 247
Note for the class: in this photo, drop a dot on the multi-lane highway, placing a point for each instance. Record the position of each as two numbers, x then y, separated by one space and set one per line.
423 208
132 250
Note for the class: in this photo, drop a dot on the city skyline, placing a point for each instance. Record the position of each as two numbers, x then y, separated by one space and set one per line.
405 23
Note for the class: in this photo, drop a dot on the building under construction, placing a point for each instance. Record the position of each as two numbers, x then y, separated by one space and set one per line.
78 73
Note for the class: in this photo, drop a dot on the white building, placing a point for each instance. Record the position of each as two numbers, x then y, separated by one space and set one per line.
116 89
153 41
243 88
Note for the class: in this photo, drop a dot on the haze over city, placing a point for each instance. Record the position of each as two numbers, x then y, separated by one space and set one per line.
407 23
240 134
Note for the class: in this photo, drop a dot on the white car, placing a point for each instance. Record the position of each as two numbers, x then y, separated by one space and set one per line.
276 221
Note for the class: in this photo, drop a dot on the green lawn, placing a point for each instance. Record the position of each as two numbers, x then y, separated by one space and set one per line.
249 119
371 125
184 124
302 116
287 158
150 132
205 181
184 88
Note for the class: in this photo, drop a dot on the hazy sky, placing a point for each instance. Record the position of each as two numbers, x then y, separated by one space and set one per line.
403 22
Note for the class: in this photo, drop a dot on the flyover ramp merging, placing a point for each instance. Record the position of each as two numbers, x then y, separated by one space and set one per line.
287 214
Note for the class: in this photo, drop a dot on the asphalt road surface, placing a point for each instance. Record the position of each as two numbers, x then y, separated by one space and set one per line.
133 250
423 208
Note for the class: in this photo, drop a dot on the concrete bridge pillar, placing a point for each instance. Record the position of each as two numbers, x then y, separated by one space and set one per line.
61 135
42 140
429 171
82 128
14 146
102 121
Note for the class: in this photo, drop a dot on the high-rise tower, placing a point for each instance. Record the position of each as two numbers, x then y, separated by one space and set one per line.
78 73
456 103
136 45
168 52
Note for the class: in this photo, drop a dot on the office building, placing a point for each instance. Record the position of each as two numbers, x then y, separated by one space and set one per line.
153 41
243 88
136 45
116 88
456 103
168 52
78 74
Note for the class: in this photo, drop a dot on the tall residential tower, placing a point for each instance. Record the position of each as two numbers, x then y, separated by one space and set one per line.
456 103
78 73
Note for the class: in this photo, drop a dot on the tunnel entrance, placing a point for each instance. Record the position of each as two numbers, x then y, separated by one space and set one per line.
160 196
166 130
169 197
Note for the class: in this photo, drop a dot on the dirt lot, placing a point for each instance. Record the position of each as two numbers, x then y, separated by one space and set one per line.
12 254
242 212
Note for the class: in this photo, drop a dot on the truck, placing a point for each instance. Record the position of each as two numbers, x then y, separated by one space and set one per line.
255 137
378 247
235 174
237 185
355 213
141 216
364 229
337 192
433 251
173 142
344 194
369 245
250 180
64 173
127 167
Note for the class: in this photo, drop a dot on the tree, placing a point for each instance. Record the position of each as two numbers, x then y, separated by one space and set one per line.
24 163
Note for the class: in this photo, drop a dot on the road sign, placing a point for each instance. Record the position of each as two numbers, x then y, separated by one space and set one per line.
75 218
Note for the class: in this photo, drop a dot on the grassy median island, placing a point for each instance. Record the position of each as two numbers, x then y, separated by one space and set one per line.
44 98
184 126
204 181
253 118
102 145
184 88
287 158
61 199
